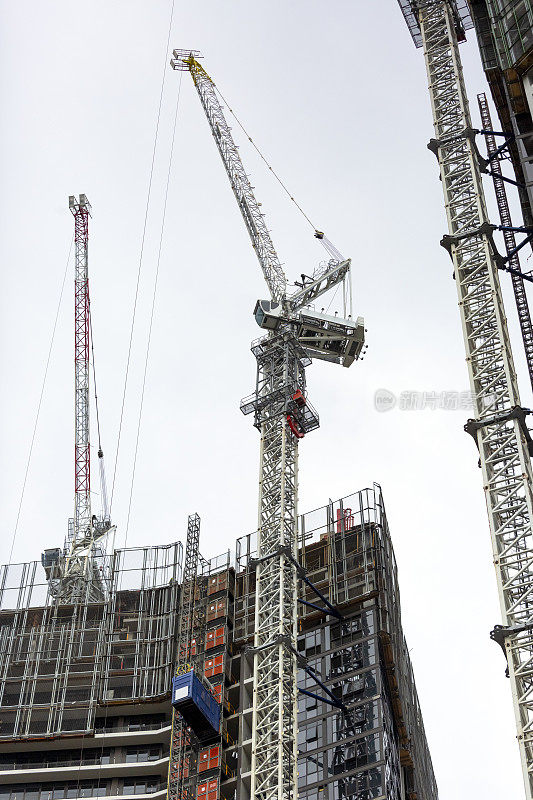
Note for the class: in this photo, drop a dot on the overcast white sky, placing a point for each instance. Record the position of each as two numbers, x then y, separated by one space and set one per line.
335 94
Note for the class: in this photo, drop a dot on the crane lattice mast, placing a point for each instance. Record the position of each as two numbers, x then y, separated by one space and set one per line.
283 415
498 426
72 573
82 449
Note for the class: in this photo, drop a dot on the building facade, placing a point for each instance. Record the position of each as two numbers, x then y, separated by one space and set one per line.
85 689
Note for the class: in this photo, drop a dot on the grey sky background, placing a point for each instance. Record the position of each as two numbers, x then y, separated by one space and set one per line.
335 95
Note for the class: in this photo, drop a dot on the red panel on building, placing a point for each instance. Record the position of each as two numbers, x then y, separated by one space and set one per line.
215 638
208 790
209 758
214 666
216 609
217 583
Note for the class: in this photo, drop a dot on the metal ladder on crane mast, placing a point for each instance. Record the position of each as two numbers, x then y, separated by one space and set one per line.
519 289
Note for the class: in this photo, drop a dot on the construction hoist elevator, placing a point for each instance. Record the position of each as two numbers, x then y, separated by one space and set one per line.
195 714
498 426
295 333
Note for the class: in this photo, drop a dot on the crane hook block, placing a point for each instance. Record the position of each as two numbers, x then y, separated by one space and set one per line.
319 234
292 425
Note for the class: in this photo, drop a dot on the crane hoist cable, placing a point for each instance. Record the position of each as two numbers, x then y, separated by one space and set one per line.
103 483
152 310
39 404
141 254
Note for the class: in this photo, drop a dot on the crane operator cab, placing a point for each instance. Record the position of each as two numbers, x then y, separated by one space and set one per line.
326 337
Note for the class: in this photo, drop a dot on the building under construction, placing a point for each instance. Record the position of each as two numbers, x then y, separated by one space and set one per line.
85 704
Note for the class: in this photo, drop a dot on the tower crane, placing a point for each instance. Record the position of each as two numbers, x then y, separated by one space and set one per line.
295 334
498 426
73 573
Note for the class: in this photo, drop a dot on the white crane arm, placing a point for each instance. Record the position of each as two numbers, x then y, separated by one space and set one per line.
321 282
248 205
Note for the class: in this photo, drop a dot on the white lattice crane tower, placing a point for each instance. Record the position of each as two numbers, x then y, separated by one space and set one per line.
283 415
498 426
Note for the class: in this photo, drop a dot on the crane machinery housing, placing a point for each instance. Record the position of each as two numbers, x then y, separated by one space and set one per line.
498 428
283 415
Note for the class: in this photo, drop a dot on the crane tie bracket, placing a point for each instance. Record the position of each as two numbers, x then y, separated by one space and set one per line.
517 412
485 229
435 144
470 134
501 632
301 661
283 550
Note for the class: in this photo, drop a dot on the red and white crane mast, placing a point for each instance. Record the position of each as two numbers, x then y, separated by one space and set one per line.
81 210
72 573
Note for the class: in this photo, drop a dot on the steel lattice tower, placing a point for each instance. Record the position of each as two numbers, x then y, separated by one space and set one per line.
281 367
498 427
82 476
77 567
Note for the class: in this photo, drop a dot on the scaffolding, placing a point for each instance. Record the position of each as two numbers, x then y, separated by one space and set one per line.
58 662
